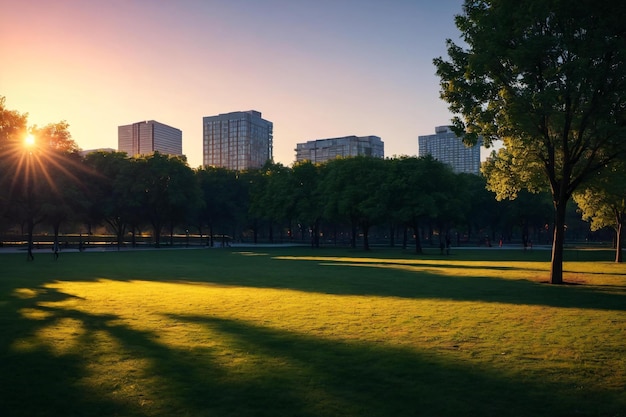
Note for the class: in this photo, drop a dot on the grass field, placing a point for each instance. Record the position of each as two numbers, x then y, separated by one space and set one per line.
297 332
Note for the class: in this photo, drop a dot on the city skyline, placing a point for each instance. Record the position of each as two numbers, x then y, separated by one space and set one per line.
316 69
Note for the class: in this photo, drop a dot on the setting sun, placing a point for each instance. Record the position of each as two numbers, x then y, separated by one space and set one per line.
29 140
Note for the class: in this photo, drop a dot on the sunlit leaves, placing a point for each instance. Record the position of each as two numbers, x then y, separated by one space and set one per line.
547 78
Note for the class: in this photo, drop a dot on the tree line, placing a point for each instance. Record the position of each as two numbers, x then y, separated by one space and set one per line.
50 186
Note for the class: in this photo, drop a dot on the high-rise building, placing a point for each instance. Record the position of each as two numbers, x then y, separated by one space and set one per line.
145 138
447 147
322 150
239 140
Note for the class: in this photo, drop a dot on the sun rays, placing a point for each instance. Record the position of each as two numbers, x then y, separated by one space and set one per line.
36 165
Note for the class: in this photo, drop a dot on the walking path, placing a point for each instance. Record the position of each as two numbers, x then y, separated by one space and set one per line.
113 248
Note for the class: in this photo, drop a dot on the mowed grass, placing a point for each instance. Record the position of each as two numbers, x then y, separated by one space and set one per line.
300 332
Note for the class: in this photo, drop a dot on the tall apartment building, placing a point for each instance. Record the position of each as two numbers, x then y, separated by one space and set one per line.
322 150
238 141
447 147
145 138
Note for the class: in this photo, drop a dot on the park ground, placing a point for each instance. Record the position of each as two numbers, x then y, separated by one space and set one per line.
290 331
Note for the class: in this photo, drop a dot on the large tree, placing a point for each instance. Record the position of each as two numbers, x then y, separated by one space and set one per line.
548 77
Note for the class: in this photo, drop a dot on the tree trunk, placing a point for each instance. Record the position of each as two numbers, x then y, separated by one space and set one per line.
618 239
366 242
315 238
119 232
30 227
157 235
418 241
405 237
271 231
353 237
556 269
56 227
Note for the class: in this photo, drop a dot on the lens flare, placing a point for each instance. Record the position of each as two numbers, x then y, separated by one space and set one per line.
29 140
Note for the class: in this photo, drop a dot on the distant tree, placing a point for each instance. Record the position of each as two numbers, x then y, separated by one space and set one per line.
549 79
13 156
41 178
270 199
219 188
109 191
352 190
603 203
249 184
482 213
167 190
420 189
305 194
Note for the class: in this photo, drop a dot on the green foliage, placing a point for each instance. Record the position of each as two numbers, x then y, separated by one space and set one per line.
222 203
352 189
39 181
603 202
549 79
166 189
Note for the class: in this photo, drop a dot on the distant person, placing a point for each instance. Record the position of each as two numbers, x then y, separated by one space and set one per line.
55 250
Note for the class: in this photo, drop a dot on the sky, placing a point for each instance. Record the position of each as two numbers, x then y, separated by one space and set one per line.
315 68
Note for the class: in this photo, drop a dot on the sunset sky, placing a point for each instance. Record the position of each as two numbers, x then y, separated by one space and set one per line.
315 68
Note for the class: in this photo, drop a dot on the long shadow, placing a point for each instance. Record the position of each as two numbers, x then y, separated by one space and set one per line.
165 382
426 284
282 373
384 280
364 379
317 377
34 379
350 278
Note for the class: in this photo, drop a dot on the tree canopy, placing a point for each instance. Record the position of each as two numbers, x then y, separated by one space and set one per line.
603 202
548 78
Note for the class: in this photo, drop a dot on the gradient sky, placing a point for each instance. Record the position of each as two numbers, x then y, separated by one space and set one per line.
315 68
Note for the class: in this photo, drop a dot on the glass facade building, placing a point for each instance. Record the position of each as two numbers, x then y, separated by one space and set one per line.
145 138
322 150
238 141
447 147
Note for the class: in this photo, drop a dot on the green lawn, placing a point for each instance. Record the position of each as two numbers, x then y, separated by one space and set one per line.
300 332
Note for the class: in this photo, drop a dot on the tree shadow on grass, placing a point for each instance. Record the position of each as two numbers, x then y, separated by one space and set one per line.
396 280
270 372
388 278
329 378
252 370
34 379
